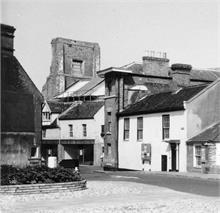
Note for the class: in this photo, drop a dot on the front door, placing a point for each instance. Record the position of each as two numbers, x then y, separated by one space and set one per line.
173 156
163 163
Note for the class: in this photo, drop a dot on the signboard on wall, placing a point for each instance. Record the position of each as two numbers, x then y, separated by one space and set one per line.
146 151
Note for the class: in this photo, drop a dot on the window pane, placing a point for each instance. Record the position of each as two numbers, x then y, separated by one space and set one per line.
198 150
140 123
126 134
126 123
139 134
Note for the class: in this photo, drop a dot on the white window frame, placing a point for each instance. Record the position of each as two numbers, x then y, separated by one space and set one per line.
195 156
126 130
165 127
140 129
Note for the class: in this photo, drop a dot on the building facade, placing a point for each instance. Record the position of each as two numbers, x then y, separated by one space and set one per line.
75 133
21 105
127 84
154 133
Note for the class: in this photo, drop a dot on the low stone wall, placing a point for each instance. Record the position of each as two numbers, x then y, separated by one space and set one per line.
43 188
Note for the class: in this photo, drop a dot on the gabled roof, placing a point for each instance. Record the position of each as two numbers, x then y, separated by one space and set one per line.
162 102
58 107
83 110
211 134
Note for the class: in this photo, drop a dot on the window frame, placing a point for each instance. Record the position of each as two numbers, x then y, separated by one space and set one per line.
165 126
76 66
109 121
140 129
84 126
197 155
126 129
70 130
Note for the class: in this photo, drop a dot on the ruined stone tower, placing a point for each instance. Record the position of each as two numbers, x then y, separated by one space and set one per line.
71 60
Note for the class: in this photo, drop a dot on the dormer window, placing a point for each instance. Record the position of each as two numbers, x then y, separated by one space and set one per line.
46 116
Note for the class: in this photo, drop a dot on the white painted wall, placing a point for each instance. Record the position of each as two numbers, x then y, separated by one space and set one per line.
218 154
130 151
53 116
52 134
93 127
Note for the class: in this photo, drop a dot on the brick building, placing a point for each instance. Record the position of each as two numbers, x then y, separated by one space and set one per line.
127 84
21 104
71 61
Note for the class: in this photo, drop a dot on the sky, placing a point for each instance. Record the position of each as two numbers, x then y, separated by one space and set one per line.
187 30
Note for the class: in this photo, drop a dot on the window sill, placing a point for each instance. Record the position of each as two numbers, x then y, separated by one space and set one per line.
140 140
126 140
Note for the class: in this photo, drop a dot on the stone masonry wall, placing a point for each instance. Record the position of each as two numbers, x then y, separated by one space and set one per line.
62 73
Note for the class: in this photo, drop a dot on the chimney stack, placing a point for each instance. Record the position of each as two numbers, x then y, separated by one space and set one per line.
7 39
181 74
155 63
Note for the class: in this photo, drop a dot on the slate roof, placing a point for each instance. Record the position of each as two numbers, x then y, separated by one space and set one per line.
162 102
211 134
58 107
14 78
195 74
83 110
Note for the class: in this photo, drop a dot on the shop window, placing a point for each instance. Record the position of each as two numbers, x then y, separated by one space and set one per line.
126 128
139 128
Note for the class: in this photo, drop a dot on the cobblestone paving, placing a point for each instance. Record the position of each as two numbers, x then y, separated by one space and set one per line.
107 196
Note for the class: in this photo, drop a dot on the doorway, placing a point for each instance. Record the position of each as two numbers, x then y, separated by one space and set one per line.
163 163
173 156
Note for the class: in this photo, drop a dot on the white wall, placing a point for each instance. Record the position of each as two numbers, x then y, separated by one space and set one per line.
52 134
93 127
130 151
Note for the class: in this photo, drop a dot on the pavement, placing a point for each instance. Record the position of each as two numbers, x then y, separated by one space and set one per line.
97 169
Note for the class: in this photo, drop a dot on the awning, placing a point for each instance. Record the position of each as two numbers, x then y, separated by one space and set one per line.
173 141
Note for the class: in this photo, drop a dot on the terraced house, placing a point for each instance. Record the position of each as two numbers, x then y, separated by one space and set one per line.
127 85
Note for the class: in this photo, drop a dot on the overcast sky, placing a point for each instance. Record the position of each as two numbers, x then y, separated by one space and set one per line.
187 30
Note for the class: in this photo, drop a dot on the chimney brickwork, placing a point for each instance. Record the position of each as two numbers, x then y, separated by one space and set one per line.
155 66
181 74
